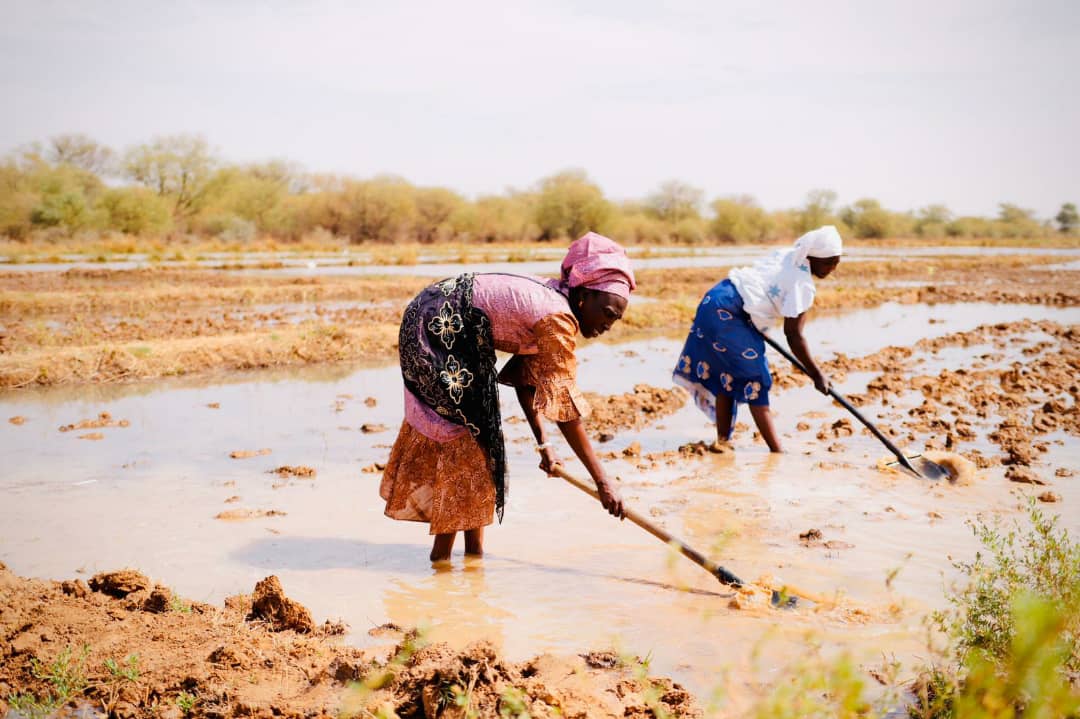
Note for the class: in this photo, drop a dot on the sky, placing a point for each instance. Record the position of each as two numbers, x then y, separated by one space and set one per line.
967 104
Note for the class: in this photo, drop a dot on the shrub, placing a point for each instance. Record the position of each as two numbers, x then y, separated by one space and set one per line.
569 205
740 219
135 210
1014 630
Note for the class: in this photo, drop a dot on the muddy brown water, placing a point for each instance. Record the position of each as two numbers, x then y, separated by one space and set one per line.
560 575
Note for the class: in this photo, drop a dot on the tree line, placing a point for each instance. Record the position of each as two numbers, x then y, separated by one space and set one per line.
178 185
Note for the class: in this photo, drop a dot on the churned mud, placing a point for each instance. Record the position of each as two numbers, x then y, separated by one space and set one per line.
1019 403
129 647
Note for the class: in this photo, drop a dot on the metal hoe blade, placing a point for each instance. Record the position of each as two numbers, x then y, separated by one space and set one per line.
922 467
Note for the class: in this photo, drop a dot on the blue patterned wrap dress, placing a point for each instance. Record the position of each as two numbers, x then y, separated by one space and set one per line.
724 354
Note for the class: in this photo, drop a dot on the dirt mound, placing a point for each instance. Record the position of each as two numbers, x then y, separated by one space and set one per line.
613 413
437 682
198 660
299 470
120 583
271 605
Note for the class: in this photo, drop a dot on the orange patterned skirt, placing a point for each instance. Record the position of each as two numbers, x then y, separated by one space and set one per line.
446 484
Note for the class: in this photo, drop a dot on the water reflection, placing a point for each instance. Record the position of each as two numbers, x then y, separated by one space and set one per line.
454 601
312 554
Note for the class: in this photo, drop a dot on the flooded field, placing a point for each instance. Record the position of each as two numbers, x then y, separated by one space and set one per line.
176 477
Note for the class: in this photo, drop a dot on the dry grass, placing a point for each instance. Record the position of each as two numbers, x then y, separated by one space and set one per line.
168 358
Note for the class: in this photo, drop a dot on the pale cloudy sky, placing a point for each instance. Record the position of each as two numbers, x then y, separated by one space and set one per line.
914 102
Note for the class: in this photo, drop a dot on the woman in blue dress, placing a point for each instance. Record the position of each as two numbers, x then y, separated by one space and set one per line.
723 361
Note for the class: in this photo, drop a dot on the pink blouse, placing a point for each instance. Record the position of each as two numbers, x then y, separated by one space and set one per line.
529 316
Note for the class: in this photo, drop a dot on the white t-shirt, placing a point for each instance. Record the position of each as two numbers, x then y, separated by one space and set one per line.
774 287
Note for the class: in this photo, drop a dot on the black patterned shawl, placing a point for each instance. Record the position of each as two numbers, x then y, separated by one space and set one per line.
447 352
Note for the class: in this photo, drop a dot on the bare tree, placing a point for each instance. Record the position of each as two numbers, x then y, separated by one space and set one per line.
178 167
82 152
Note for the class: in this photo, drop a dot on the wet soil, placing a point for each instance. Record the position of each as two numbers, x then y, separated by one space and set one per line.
262 655
1020 403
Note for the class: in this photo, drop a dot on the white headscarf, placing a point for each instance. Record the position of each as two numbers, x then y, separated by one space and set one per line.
822 242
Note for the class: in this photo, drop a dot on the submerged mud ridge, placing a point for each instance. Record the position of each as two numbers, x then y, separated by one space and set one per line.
129 647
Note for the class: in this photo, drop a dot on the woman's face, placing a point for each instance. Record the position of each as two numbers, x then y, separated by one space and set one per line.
597 311
822 267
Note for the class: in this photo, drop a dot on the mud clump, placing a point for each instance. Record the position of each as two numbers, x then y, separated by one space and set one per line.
1049 497
270 604
119 584
613 413
247 453
77 588
239 515
17 420
104 419
1022 475
297 471
159 601
700 448
811 535
840 428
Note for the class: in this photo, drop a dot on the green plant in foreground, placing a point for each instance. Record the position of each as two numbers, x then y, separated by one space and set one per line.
30 706
1014 630
833 691
67 676
186 702
1029 682
354 702
128 670
177 603
1042 562
512 704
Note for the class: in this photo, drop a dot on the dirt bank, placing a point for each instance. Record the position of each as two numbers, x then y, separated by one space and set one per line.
126 646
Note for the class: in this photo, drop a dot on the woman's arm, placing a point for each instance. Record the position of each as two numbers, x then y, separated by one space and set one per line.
575 434
526 397
793 327
548 388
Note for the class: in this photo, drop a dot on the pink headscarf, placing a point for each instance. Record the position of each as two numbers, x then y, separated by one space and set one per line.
598 263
